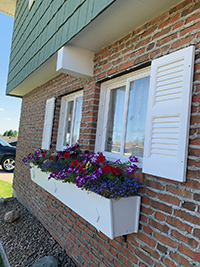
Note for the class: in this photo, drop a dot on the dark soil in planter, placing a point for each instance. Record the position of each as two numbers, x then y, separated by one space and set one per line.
26 240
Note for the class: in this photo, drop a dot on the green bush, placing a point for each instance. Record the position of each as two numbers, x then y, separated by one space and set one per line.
1 262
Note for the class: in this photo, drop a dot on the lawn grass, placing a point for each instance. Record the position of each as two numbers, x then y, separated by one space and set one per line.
1 262
5 190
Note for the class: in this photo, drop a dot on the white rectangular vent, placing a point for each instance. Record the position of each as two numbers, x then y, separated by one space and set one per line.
165 136
169 81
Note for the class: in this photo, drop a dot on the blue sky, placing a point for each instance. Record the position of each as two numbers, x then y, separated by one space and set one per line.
10 107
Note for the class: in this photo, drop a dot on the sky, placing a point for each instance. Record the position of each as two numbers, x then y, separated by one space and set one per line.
10 107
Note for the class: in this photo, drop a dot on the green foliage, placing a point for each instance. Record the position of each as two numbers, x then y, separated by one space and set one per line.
5 189
10 133
1 262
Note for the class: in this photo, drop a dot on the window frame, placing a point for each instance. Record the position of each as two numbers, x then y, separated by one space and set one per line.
106 87
62 119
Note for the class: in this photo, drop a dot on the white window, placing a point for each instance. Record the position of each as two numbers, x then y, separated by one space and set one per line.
70 119
158 131
48 123
122 116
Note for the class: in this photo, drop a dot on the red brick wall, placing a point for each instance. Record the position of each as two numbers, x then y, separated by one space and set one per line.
169 232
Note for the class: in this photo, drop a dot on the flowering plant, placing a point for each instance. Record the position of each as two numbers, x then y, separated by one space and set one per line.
88 171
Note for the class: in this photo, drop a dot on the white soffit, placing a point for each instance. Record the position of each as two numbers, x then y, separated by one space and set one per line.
122 17
75 61
8 7
43 74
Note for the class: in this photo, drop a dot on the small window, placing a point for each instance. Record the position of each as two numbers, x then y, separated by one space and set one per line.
70 119
123 110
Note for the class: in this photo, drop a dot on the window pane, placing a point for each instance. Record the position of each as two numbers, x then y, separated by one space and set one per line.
77 119
68 123
136 118
115 120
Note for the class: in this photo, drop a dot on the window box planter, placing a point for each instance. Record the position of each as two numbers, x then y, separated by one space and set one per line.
111 217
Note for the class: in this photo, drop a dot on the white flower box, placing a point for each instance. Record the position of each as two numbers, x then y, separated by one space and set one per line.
111 217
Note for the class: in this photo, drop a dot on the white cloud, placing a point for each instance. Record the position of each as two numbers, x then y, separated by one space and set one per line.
1 109
8 119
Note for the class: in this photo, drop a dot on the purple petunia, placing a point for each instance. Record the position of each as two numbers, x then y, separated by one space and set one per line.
130 169
133 159
93 159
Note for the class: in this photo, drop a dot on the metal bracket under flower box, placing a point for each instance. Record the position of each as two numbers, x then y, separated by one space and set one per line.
111 217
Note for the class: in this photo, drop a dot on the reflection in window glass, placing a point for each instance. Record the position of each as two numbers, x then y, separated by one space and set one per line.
77 119
68 123
115 120
136 118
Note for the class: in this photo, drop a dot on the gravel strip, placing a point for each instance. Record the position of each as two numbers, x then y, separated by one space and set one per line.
26 240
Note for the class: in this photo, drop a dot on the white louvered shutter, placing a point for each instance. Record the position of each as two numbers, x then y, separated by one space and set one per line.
48 123
168 115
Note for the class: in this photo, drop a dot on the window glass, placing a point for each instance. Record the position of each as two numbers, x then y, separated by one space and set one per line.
122 116
68 123
70 119
115 120
136 117
77 119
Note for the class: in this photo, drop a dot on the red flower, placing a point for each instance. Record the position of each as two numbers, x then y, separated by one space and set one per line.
66 155
82 169
51 157
116 171
44 154
74 162
107 168
100 158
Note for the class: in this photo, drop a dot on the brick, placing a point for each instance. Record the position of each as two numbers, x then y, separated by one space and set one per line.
161 206
155 184
167 39
160 226
179 6
162 33
166 240
144 257
147 230
183 41
145 200
118 263
123 259
187 30
193 17
168 262
188 252
147 239
159 18
169 21
169 199
151 193
160 216
190 241
178 191
162 248
188 205
187 216
141 59
126 65
178 25
180 259
179 224
152 252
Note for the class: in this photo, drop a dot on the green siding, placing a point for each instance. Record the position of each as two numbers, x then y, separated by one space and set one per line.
41 31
